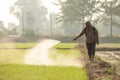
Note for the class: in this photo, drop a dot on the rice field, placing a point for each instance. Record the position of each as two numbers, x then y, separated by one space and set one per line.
12 67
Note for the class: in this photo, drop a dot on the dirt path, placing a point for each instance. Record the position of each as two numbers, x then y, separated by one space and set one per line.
101 69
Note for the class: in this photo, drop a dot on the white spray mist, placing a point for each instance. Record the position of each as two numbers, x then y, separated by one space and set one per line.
40 55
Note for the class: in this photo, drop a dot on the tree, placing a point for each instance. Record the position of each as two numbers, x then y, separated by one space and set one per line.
112 11
94 10
3 31
12 29
31 15
75 12
78 10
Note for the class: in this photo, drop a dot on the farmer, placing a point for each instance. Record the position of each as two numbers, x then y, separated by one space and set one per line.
92 38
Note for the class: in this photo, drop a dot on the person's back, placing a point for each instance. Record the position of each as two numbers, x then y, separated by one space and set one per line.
91 34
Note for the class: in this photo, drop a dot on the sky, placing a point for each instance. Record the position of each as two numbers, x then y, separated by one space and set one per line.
6 17
50 6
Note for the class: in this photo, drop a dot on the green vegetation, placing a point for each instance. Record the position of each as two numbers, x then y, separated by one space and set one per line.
66 45
11 67
28 72
110 70
17 45
8 53
12 56
67 50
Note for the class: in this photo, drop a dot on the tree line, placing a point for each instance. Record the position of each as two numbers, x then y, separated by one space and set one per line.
32 15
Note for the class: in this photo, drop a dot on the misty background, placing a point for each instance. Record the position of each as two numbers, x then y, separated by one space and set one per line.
58 18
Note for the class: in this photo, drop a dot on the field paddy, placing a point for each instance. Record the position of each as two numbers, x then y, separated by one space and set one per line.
12 65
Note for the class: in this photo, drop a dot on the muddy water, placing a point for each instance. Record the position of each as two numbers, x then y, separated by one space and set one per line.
112 57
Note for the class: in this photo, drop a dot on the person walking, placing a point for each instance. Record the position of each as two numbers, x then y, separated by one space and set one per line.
92 39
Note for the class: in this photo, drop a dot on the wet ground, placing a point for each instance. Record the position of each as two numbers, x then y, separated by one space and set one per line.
111 57
106 66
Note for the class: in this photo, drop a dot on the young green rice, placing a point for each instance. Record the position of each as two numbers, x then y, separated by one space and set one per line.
29 72
11 67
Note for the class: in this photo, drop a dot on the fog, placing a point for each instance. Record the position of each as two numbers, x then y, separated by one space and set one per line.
48 17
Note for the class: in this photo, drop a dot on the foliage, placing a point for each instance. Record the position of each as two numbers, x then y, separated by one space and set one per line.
66 45
78 10
29 72
110 71
12 29
110 9
3 30
18 45
93 10
67 49
108 5
31 15
30 33
12 56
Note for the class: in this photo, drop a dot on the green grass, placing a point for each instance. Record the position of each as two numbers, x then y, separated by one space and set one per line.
61 45
25 72
67 50
17 45
71 51
11 67
66 45
12 56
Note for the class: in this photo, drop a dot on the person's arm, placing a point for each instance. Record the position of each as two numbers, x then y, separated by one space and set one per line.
80 34
97 36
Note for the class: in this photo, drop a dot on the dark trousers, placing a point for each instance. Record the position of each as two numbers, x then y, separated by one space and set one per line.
91 50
